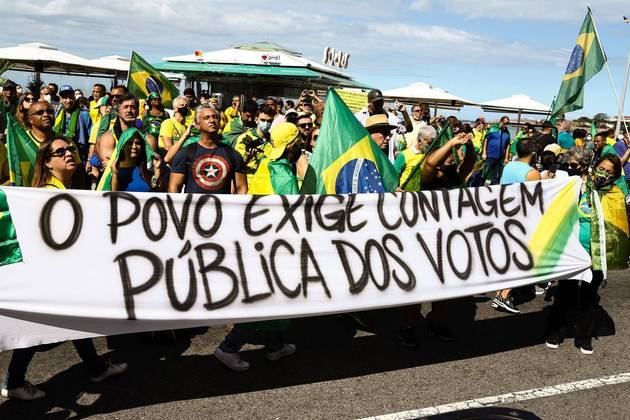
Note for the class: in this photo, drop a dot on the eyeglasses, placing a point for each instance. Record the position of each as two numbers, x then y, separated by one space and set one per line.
305 125
43 112
116 96
61 152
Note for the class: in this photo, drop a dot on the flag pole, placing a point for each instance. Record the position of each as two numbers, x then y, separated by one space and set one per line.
612 82
621 117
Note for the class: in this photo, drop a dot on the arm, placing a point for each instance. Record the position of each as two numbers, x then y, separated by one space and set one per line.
439 156
507 152
167 142
176 182
533 175
241 182
105 146
172 151
625 157
468 164
484 155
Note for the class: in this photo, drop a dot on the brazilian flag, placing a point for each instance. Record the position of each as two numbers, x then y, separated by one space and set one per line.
22 152
10 252
106 180
586 61
274 177
145 79
346 159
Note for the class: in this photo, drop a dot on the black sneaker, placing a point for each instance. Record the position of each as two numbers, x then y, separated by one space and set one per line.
408 337
554 341
585 345
506 304
440 331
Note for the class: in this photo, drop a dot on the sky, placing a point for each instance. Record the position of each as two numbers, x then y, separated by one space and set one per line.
477 49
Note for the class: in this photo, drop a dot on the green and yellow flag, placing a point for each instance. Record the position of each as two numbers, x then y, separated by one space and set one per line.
274 177
22 152
10 252
346 160
144 79
586 61
106 180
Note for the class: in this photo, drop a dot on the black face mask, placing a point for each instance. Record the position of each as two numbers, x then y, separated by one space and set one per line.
183 111
574 171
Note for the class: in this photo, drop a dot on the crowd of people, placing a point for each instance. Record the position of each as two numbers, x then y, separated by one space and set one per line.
113 141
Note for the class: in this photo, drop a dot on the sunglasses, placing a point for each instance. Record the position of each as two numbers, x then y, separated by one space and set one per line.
61 152
43 112
29 99
305 125
116 96
314 137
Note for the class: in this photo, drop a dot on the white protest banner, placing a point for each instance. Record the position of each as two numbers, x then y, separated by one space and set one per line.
112 263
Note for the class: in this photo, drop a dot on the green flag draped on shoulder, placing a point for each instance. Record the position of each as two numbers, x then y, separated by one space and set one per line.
22 152
10 252
346 159
144 79
106 180
587 59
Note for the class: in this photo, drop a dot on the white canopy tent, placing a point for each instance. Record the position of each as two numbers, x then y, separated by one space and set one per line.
431 95
516 104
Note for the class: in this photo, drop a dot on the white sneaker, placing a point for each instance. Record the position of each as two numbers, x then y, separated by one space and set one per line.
27 392
231 360
286 350
113 369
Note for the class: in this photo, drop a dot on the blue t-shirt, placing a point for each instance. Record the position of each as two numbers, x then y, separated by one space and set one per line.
566 140
208 171
130 179
515 172
497 143
620 148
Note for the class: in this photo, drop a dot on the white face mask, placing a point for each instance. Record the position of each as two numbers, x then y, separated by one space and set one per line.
48 98
264 126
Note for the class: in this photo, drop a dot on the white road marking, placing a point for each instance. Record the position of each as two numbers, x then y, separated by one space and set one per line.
509 398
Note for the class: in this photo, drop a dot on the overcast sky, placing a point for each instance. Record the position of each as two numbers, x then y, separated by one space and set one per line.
477 49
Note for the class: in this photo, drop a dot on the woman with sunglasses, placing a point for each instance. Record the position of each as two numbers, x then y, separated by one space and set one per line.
24 103
53 169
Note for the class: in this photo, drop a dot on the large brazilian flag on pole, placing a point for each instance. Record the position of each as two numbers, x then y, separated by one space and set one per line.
145 79
346 159
587 59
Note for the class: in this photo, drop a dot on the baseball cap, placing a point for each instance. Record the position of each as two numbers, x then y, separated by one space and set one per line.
283 135
9 84
65 89
547 124
375 95
553 147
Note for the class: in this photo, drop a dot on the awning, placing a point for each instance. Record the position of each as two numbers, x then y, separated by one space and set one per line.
431 95
516 104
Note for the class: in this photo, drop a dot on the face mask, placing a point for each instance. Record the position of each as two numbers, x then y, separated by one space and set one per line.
47 98
602 179
264 126
183 110
574 171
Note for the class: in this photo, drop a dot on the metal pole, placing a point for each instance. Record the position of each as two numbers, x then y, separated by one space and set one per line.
519 117
599 41
620 117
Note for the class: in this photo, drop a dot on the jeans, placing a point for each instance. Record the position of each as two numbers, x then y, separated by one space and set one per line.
21 358
494 168
268 333
574 306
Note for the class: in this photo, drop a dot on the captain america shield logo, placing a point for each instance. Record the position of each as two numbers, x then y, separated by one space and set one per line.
210 172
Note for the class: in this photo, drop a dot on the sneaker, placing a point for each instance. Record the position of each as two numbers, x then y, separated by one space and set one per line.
506 304
553 342
231 360
286 350
27 392
440 331
407 337
113 369
586 349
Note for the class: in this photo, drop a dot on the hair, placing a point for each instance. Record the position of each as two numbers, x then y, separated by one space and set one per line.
21 115
42 174
123 87
55 85
144 171
99 85
130 97
548 160
616 162
206 95
250 107
303 116
582 155
526 147
505 117
189 91
290 103
181 98
266 109
201 107
466 128
579 133
291 117
602 134
426 130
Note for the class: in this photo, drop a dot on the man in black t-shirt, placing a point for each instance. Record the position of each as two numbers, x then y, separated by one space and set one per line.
545 138
208 166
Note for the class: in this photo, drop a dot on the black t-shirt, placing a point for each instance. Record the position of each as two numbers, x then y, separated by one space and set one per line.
544 140
208 171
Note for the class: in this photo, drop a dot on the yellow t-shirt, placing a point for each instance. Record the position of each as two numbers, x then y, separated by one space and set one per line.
4 163
173 129
94 114
610 141
252 165
54 184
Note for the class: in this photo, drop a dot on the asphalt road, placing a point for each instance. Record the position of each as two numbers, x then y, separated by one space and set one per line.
339 373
